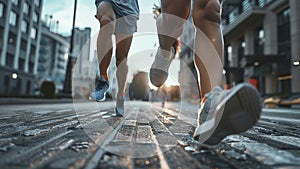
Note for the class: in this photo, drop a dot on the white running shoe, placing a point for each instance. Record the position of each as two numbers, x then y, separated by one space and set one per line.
160 67
227 112
119 110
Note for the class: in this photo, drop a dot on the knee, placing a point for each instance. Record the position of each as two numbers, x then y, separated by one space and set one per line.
105 20
209 10
171 8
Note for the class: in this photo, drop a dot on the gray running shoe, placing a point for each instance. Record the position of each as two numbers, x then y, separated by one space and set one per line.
227 112
120 106
160 67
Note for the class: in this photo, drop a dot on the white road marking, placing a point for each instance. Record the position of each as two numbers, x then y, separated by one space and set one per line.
283 119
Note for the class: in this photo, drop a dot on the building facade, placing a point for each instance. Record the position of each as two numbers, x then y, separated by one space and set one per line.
84 70
53 55
262 42
20 32
81 51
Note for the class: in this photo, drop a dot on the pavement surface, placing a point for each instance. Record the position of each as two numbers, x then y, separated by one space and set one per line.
89 135
32 101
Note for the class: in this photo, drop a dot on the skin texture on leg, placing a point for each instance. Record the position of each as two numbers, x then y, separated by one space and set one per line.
207 19
106 17
170 27
122 49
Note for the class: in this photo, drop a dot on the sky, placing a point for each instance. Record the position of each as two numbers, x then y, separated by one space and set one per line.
143 47
62 10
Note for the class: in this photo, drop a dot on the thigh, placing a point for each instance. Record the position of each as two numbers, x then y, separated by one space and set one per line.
208 10
202 4
105 9
179 8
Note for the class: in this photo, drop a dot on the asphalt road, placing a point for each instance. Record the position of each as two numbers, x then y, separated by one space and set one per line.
89 135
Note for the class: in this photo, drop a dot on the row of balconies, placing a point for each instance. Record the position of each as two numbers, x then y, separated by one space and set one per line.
233 9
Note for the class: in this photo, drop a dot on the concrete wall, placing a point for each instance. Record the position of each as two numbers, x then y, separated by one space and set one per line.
295 44
270 47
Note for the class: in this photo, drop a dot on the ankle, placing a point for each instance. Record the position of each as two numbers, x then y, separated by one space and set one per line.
105 77
120 95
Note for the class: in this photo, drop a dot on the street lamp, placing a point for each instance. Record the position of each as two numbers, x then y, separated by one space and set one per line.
71 60
14 76
296 63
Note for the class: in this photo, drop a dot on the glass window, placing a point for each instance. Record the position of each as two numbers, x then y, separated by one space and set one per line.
26 8
37 2
1 10
284 25
284 40
12 38
31 66
24 26
35 17
241 49
33 33
228 54
21 63
259 40
13 18
23 45
1 34
15 2
9 60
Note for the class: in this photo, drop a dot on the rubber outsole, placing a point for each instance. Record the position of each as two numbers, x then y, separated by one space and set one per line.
117 113
158 77
101 100
241 111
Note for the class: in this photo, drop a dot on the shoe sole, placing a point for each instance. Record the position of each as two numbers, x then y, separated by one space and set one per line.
101 100
91 99
158 77
242 110
118 114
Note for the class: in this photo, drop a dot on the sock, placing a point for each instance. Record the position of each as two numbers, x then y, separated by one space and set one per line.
105 77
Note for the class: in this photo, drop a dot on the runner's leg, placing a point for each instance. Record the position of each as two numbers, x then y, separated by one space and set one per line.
106 17
122 49
207 18
170 28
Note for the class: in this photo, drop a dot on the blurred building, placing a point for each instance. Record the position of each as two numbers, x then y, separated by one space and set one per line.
139 88
20 32
54 49
262 41
81 51
172 93
84 74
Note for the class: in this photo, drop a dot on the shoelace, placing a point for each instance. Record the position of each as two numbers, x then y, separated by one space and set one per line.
101 84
